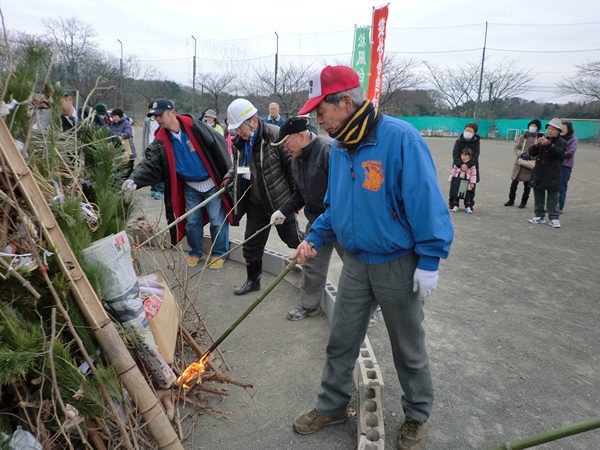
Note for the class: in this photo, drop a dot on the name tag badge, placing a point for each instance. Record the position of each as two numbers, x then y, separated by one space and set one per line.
243 170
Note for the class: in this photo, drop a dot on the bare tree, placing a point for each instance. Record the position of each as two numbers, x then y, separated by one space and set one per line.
215 86
75 41
292 86
586 82
398 76
456 86
505 80
459 86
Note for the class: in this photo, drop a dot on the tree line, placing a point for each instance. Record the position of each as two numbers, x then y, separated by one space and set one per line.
69 56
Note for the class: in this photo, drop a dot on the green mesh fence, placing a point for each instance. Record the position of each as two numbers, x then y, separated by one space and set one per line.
498 128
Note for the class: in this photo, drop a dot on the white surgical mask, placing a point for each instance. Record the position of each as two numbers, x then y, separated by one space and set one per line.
533 129
467 135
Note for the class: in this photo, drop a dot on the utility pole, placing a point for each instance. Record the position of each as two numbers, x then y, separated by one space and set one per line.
478 104
276 62
121 77
194 81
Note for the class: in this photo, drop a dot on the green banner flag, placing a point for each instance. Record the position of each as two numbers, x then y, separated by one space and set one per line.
361 58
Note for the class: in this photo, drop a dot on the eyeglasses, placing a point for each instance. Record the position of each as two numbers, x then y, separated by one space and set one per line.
289 139
238 129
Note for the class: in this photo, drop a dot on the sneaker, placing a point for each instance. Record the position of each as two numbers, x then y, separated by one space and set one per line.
412 435
374 317
312 421
468 210
522 205
554 223
509 203
157 195
215 263
192 261
300 312
455 209
537 219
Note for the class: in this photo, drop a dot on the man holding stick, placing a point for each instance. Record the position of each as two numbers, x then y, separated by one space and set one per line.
192 159
385 209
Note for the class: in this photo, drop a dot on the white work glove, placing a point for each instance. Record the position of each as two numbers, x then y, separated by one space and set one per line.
277 218
424 282
128 186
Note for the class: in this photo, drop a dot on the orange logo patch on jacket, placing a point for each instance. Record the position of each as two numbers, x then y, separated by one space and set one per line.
373 175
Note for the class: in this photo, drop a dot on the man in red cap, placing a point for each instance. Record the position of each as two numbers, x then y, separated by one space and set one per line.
385 208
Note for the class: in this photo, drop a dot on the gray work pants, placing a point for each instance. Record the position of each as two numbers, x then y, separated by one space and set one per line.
362 288
547 199
314 275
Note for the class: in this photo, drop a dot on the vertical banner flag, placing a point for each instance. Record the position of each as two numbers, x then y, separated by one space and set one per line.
380 16
361 58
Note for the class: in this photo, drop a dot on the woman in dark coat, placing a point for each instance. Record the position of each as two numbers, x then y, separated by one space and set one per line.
545 179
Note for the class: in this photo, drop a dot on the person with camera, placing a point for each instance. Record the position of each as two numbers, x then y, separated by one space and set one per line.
523 166
545 180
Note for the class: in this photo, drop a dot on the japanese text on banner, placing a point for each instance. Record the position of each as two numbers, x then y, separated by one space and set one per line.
377 50
361 59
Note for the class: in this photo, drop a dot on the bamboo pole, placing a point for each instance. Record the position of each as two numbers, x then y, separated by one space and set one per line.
104 329
185 376
559 433
251 308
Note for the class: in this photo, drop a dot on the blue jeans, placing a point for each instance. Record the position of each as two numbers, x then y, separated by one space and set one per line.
158 187
565 175
194 227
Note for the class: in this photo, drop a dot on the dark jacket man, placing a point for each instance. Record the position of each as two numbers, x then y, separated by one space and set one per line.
159 165
266 170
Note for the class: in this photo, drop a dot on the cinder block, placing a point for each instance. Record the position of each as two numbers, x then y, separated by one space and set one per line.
370 424
328 300
366 370
272 262
294 277
365 444
237 255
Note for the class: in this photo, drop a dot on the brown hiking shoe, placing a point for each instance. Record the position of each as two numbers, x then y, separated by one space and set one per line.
412 435
312 421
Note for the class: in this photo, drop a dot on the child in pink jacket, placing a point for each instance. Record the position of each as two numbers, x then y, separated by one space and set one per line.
468 176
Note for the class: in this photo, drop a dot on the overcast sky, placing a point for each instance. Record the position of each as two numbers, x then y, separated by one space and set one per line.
545 37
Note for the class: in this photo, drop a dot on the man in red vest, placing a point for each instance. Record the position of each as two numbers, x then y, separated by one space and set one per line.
191 158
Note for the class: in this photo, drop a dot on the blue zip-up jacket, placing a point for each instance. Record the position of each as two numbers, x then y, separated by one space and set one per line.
383 200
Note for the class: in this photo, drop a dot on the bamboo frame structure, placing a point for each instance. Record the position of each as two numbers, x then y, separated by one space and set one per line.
104 329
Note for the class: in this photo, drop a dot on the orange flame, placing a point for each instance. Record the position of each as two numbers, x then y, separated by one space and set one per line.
192 372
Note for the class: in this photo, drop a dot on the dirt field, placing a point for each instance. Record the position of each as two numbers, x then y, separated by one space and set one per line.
512 330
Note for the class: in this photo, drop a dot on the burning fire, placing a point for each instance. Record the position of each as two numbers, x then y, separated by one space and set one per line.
193 371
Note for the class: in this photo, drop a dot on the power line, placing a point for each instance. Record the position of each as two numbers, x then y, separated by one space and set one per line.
545 51
572 24
438 27
464 50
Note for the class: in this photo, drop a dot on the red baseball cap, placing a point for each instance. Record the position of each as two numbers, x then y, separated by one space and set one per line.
329 80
